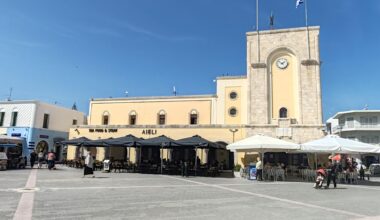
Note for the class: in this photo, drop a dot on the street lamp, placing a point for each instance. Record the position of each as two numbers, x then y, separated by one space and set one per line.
233 130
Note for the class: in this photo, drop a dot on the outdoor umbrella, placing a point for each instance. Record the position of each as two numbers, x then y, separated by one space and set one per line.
97 143
197 141
336 144
126 141
8 145
160 141
261 143
76 141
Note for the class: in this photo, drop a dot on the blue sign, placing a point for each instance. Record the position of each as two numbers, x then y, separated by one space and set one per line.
252 172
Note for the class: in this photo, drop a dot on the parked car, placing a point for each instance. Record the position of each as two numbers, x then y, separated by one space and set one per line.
374 168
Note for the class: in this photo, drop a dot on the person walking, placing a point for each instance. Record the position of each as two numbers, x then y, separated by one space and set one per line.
50 159
33 157
259 169
331 173
41 159
89 165
361 172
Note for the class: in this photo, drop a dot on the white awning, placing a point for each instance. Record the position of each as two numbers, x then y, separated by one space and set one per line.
261 143
336 144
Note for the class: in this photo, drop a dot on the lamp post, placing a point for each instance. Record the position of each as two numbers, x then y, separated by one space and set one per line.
234 130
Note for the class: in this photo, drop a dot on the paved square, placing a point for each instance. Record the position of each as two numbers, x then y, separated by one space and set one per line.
63 194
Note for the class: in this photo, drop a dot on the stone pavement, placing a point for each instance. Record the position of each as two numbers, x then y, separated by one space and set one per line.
63 194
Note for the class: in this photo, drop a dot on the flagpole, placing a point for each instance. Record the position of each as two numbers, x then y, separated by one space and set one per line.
307 30
257 30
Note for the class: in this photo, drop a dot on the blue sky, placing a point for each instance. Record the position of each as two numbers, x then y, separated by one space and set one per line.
72 50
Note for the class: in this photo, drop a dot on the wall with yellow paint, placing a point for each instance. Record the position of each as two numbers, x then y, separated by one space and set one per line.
177 110
226 85
284 86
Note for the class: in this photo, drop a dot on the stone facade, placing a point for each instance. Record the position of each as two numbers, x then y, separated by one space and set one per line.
263 48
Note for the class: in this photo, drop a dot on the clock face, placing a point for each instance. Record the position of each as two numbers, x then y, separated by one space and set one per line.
282 63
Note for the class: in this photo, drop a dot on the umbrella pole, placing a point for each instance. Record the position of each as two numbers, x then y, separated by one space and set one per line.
316 161
263 164
162 155
195 167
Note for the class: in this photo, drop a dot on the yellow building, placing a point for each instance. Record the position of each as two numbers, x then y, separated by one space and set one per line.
280 97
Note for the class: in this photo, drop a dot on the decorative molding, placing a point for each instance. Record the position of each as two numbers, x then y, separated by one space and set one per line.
309 62
259 65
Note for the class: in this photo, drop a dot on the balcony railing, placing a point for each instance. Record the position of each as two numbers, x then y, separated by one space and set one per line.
355 126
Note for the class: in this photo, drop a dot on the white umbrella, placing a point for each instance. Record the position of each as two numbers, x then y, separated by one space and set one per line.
336 144
262 143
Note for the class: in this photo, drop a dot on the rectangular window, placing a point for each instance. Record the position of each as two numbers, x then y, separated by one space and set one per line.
105 119
350 122
132 119
75 122
373 121
365 139
363 121
2 116
14 118
374 140
193 119
46 121
161 119
341 121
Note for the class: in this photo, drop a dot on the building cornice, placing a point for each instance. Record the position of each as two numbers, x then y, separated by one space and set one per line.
337 115
153 98
285 30
231 77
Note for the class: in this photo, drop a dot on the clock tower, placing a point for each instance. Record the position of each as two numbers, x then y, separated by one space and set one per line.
284 92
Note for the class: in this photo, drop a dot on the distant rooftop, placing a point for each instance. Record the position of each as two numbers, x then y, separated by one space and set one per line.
33 102
337 115
155 97
231 77
282 30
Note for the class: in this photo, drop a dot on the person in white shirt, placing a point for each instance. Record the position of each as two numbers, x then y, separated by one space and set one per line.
259 169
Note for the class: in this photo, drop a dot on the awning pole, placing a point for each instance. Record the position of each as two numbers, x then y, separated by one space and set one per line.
195 167
162 155
316 161
263 164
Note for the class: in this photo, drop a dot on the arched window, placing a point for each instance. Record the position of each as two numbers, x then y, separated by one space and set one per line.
283 112
14 117
161 117
2 116
105 118
193 117
132 117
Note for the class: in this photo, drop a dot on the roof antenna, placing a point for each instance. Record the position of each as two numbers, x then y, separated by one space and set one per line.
366 107
10 94
174 91
271 20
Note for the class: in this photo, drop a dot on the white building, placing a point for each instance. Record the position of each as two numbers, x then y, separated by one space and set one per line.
42 125
359 125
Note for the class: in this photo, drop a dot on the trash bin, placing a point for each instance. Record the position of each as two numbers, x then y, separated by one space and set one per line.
252 171
106 165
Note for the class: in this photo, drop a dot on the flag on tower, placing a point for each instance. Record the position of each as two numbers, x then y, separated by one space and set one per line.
298 3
